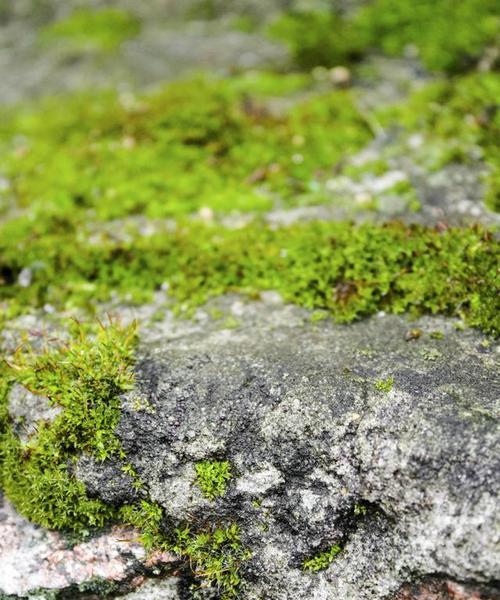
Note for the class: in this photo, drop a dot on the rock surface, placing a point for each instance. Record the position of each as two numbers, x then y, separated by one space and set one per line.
405 480
294 406
35 562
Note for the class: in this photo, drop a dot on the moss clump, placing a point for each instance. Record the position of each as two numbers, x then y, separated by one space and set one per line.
350 271
85 379
384 385
169 154
86 29
448 35
323 38
212 477
213 552
323 560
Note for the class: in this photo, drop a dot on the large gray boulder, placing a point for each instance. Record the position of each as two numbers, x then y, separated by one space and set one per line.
324 450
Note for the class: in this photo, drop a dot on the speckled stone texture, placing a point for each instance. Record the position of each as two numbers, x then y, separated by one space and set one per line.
406 480
35 563
293 405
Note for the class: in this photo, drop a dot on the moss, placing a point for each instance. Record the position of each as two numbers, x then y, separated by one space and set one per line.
83 378
384 385
212 477
322 38
350 271
168 154
457 118
448 35
323 560
214 553
104 30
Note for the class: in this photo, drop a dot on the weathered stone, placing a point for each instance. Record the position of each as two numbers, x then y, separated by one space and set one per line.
447 590
404 480
34 561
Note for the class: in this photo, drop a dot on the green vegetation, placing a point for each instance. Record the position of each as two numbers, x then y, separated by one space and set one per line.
87 29
458 118
448 35
212 477
79 171
351 271
168 154
318 38
384 385
84 378
213 552
323 560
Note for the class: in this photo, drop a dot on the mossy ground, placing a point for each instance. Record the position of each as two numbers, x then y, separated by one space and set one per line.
214 146
448 35
98 30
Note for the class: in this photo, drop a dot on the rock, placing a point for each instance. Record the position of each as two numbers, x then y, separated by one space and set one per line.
447 590
404 480
33 560
27 409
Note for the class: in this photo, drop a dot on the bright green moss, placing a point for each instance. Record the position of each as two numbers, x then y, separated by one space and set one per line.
84 379
105 29
449 35
350 271
384 385
170 154
214 553
323 560
212 477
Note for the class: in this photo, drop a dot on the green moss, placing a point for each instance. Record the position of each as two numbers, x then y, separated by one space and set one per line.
105 29
458 118
212 477
214 553
84 379
350 271
448 35
384 385
318 38
323 560
168 154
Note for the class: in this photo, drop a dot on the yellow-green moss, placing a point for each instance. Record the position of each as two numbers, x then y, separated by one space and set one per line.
90 29
322 560
212 477
459 120
448 35
84 378
214 552
195 144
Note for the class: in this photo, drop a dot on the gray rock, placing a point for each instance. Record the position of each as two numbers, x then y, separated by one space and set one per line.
405 480
27 409
40 564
